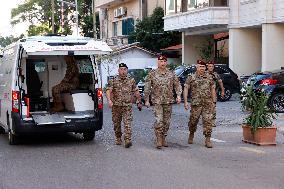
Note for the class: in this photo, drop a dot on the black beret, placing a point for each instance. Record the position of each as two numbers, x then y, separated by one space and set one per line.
122 65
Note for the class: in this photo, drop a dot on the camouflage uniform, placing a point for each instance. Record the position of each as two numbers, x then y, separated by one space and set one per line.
201 102
215 77
69 82
122 93
160 86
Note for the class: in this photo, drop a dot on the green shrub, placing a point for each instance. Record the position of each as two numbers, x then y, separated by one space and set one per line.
255 102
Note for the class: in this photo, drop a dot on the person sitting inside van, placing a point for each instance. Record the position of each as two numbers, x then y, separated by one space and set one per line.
69 82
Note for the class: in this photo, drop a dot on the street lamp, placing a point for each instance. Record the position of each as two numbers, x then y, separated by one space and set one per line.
77 16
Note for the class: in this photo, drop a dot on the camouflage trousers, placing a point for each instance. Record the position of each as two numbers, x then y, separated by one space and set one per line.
214 115
122 113
206 111
163 114
58 89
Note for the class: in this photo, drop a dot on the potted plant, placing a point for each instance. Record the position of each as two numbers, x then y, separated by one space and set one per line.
258 126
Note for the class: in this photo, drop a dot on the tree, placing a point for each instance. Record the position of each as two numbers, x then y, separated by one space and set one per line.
38 14
109 61
206 50
5 41
151 35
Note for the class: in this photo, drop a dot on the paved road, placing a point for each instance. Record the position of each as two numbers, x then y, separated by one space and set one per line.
66 161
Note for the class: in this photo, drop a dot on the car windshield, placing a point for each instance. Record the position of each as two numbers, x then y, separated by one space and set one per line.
256 77
179 70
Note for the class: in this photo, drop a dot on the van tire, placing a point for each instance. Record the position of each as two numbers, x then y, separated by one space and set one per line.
13 139
2 130
88 136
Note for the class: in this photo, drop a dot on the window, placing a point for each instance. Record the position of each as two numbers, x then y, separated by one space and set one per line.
190 71
170 6
220 70
39 66
114 29
191 4
127 26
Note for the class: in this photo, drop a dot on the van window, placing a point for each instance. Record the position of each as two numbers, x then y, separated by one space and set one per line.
85 66
39 66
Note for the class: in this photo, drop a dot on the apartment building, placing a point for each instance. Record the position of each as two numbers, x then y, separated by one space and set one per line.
256 30
118 18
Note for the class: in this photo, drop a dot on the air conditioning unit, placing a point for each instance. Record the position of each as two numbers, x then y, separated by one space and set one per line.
121 11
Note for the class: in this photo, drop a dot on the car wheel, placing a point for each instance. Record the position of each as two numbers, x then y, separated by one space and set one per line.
228 95
277 102
13 139
88 136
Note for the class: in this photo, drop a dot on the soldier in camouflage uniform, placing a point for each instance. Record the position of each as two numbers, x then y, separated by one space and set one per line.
202 98
69 82
119 94
218 83
160 84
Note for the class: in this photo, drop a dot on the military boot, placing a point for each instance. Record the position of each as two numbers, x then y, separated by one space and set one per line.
128 143
208 143
190 138
58 107
164 142
159 141
118 141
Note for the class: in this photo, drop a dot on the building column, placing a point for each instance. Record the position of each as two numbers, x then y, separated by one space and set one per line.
272 47
245 50
191 43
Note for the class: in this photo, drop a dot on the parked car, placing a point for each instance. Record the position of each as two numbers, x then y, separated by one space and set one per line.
272 83
229 78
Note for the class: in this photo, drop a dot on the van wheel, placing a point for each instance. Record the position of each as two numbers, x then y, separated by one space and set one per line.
13 139
88 136
2 130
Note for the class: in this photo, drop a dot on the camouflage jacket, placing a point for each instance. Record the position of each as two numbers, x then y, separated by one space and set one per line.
160 86
215 78
200 87
71 75
122 90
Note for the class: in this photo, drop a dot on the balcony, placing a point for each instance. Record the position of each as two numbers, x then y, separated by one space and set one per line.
197 17
109 3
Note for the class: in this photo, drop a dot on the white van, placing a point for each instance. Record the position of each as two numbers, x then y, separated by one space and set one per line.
28 71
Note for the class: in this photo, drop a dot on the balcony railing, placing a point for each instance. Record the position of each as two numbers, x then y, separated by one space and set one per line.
177 6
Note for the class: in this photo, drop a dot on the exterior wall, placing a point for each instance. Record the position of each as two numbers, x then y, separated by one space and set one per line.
133 11
246 13
134 59
245 51
190 53
272 46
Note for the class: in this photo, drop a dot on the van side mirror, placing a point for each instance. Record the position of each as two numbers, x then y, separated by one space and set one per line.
1 53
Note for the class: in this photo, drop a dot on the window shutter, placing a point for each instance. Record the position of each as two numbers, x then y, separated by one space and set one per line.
130 25
124 27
